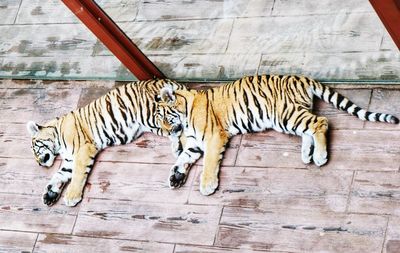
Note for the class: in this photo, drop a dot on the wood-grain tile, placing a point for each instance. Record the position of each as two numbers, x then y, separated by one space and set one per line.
329 33
24 176
376 192
65 243
11 241
28 213
195 36
348 149
133 220
272 188
150 10
385 101
209 249
299 8
363 65
300 231
9 11
135 182
215 67
39 105
392 243
50 12
150 148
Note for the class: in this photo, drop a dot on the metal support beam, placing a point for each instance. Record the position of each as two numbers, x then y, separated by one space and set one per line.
114 38
389 12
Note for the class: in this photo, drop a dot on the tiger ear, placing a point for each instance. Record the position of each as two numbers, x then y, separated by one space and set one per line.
32 127
167 94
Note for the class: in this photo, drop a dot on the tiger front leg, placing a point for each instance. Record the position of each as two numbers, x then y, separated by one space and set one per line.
178 174
55 186
83 163
177 144
214 151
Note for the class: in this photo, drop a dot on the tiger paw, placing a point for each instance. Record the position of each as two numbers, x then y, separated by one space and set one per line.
50 197
176 178
208 185
72 198
320 158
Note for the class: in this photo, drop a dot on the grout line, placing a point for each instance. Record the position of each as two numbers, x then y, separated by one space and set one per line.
350 190
368 106
34 245
229 37
219 223
73 227
272 8
16 15
173 250
237 152
385 234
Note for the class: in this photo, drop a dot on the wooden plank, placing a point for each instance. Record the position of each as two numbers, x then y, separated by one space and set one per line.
11 241
375 65
300 231
309 8
195 36
327 33
39 105
66 243
133 220
187 10
15 141
348 150
386 101
68 40
392 243
210 249
131 181
212 66
272 188
50 12
150 148
28 213
9 11
24 176
376 192
73 67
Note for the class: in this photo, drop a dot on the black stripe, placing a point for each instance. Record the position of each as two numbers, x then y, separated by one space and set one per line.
66 170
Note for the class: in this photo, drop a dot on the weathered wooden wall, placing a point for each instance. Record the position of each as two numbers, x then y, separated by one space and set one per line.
331 40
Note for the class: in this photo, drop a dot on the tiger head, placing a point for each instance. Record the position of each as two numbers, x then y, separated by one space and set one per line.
44 142
171 108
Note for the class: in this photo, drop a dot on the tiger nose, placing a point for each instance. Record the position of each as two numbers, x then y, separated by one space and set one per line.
178 128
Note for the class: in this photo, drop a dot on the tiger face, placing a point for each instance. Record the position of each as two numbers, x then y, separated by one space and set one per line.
169 119
170 111
43 143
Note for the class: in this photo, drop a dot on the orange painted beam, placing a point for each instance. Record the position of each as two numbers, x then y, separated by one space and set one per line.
114 38
389 12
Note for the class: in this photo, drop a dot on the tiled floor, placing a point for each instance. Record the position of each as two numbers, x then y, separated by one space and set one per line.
267 200
206 40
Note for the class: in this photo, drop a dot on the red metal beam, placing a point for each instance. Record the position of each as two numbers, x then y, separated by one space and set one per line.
389 12
114 38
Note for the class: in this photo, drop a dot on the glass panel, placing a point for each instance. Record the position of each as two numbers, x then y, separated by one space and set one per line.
202 40
224 40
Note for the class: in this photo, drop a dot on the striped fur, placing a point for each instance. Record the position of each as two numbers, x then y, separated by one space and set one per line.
250 104
118 117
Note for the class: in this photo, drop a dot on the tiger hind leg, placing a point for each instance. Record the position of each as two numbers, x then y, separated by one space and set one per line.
307 148
320 129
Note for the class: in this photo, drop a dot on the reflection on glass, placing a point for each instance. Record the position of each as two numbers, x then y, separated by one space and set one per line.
217 40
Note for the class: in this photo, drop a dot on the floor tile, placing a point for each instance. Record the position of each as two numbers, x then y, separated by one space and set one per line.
11 241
